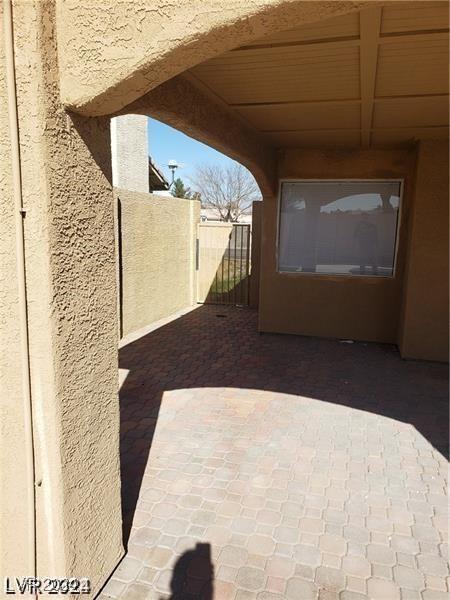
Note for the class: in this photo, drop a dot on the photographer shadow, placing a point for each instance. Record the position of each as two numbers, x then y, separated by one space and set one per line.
193 575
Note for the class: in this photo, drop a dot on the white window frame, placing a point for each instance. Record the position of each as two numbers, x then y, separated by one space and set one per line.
398 180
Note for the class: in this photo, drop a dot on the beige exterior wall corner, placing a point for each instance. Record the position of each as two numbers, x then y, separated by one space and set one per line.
424 319
157 241
188 108
360 308
108 58
256 254
72 316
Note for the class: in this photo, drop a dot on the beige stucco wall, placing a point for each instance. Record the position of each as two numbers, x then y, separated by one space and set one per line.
361 308
72 323
214 238
157 239
424 331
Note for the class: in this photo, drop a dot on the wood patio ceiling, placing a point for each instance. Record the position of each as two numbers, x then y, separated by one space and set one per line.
374 78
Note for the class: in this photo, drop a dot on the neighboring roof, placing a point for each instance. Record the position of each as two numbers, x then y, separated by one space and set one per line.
157 181
212 214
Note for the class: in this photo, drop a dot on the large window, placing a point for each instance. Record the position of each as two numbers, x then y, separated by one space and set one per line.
339 227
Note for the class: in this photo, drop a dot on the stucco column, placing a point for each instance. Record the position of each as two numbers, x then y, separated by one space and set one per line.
129 149
255 253
72 322
424 317
267 302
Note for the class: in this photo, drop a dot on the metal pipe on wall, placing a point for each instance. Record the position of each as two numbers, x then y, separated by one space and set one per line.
21 281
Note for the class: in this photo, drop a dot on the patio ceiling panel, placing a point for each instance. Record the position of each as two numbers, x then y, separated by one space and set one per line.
343 138
343 26
422 16
374 78
415 67
284 74
425 111
306 115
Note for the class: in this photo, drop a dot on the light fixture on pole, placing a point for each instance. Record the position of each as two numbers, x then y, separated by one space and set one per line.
173 166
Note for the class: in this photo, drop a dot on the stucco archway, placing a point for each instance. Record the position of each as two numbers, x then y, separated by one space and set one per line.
182 105
108 58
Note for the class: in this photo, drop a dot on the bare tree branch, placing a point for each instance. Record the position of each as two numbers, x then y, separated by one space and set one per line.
229 190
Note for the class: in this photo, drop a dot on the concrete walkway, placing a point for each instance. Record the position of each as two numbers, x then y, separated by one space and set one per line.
276 467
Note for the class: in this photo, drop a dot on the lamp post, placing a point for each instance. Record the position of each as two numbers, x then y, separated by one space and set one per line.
173 166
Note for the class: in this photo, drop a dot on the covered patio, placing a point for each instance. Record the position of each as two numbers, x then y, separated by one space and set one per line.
252 464
272 466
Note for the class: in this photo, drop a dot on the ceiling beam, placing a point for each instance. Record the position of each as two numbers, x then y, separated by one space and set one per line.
348 40
351 40
354 129
409 97
377 99
416 36
295 102
370 23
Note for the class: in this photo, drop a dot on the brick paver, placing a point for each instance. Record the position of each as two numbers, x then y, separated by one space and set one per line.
269 467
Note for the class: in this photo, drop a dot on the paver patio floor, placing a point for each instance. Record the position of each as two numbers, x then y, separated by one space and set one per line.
275 467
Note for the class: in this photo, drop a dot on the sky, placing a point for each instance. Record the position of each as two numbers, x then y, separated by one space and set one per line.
166 143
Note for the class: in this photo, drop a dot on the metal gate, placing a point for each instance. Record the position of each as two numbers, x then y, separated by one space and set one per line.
223 263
